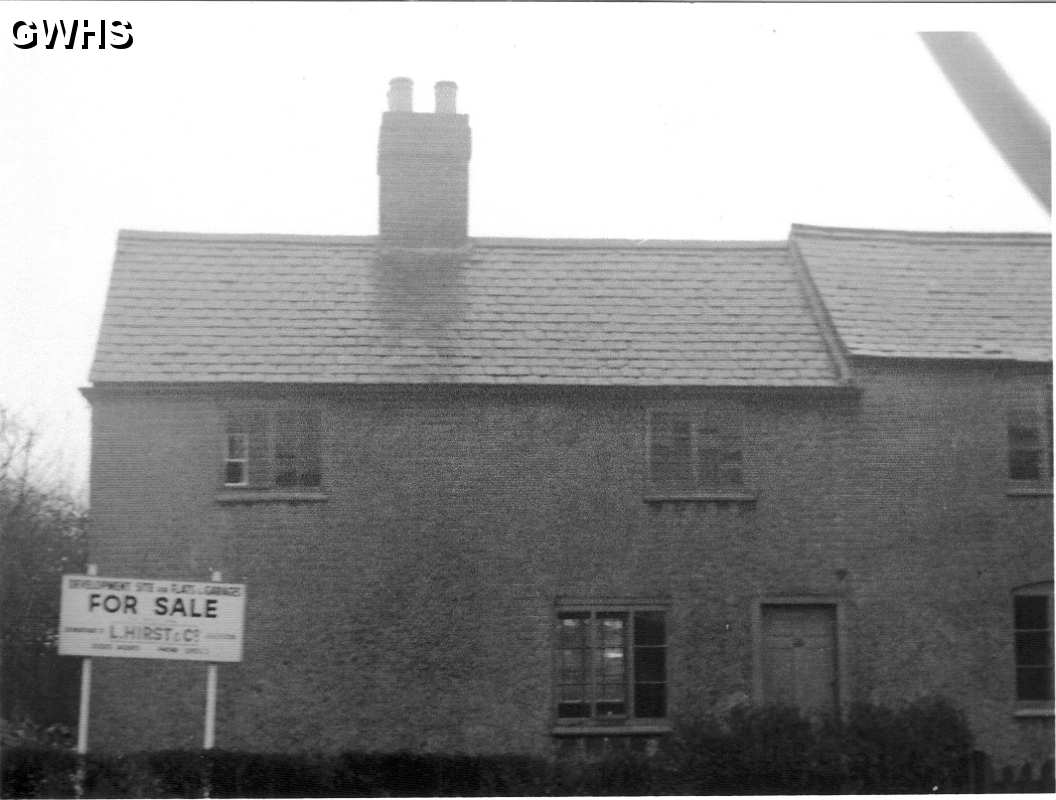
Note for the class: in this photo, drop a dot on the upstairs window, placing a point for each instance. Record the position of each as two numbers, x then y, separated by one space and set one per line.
1030 437
296 449
612 665
688 453
273 448
1032 614
236 465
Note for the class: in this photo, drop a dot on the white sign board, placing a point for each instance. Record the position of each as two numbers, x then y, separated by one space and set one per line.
134 618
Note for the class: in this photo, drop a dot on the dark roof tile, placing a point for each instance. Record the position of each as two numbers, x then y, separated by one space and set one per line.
215 308
934 295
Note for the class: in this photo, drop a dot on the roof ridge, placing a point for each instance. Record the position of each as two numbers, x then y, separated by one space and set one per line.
739 244
1021 237
128 234
124 234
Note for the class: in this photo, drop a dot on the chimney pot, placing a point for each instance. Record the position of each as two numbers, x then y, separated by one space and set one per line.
445 97
401 94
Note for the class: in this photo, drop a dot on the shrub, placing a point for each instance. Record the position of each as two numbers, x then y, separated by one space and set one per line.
924 746
774 749
918 748
28 771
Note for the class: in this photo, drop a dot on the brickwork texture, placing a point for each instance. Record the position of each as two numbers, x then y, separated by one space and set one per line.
414 607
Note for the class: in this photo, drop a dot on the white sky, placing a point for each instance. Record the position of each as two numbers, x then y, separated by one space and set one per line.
649 120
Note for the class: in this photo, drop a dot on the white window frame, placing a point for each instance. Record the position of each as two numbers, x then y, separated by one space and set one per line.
244 461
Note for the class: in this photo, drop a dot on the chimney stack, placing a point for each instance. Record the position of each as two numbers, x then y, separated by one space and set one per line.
423 171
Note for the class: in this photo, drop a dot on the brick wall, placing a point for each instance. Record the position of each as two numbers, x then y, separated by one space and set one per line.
414 607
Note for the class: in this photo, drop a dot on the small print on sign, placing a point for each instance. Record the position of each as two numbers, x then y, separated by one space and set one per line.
132 618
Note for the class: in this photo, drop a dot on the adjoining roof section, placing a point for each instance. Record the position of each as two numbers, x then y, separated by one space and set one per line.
309 309
909 294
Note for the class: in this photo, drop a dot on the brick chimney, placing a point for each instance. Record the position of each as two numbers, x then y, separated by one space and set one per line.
423 170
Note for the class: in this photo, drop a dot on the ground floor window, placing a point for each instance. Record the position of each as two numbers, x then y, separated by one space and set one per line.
612 663
1032 620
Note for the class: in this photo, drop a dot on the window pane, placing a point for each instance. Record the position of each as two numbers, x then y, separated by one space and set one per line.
1048 428
1024 465
1032 612
649 664
574 666
611 629
732 476
709 436
612 690
235 472
1023 435
572 692
611 709
236 446
649 627
650 700
573 630
718 457
709 467
1032 648
1034 683
670 456
259 457
296 448
611 666
573 710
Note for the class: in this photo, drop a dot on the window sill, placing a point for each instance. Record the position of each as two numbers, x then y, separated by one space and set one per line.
1027 713
603 729
1029 489
271 496
700 497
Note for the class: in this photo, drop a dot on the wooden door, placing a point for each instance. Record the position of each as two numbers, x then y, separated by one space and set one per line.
799 656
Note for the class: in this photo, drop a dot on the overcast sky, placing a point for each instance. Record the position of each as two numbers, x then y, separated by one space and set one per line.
598 120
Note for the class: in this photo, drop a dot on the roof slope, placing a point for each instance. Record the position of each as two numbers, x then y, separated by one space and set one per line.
934 295
223 308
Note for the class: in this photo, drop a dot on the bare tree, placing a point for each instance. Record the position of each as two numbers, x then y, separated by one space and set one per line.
41 536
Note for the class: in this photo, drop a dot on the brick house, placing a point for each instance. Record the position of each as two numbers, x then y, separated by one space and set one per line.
525 494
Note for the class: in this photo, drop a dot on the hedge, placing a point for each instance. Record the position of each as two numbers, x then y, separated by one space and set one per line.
920 748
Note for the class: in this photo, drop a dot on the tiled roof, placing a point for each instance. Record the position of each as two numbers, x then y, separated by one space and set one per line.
933 295
227 308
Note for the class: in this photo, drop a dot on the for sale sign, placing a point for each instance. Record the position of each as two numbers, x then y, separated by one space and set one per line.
134 618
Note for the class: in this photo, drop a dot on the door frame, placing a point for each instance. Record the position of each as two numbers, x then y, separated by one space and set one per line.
843 687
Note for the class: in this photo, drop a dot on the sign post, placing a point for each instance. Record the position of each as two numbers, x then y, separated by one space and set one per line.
82 715
150 618
210 694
